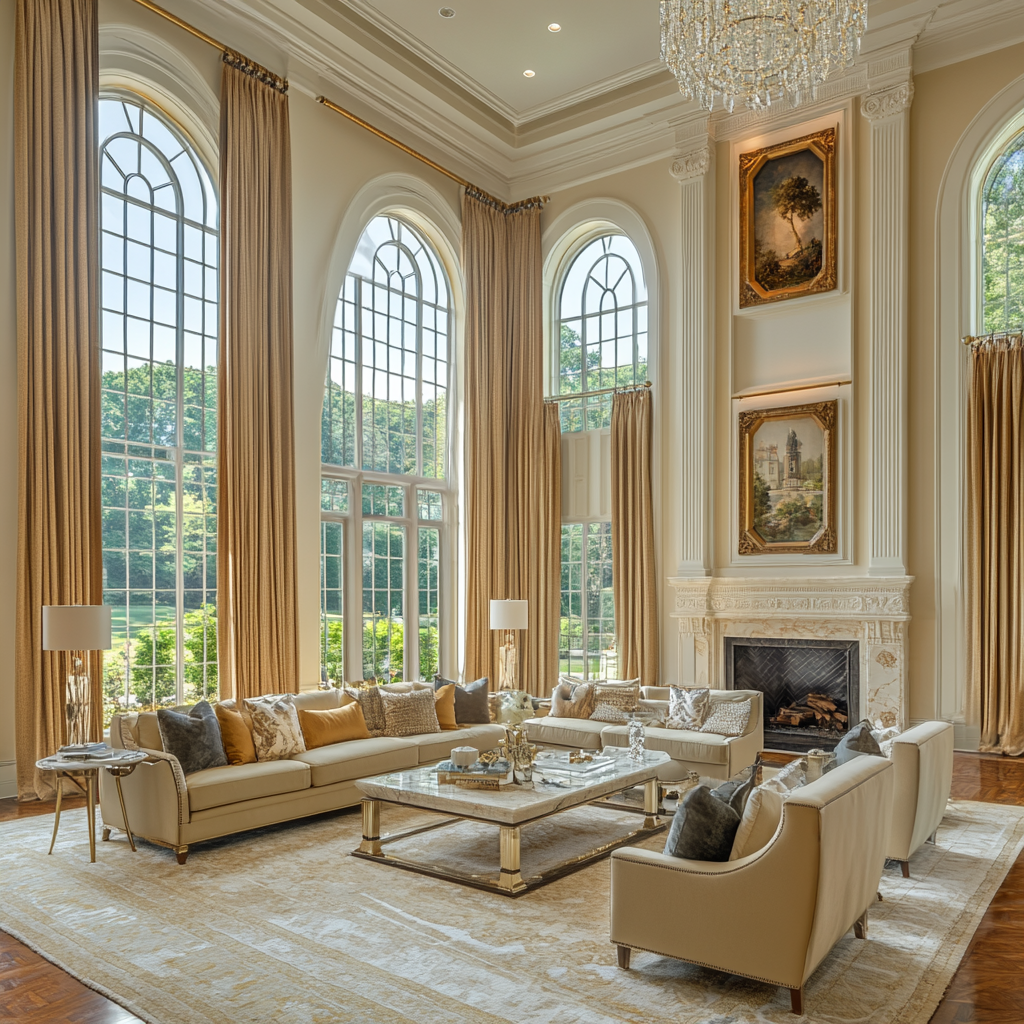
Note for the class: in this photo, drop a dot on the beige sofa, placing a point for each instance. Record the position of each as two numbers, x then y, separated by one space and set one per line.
775 914
709 754
172 809
923 761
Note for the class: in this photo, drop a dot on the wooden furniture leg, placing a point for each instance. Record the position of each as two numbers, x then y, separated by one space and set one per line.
905 868
796 1000
860 926
181 852
624 954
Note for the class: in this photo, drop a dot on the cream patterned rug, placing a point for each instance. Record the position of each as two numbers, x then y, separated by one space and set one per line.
282 925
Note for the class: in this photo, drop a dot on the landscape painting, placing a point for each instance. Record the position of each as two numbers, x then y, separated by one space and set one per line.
788 219
786 480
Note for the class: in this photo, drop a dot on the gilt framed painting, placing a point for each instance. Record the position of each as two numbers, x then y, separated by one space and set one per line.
788 480
788 222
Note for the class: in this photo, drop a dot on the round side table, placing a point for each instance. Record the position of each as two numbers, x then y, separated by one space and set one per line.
120 763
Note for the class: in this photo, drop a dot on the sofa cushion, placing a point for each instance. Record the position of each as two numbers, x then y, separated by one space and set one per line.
319 700
409 714
438 746
856 742
471 707
614 702
276 733
147 731
703 828
216 787
728 718
679 744
372 707
193 738
444 705
235 733
572 700
687 708
358 759
333 725
567 732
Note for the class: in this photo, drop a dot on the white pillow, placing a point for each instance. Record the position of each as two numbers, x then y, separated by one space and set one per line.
276 733
760 820
885 737
728 718
688 708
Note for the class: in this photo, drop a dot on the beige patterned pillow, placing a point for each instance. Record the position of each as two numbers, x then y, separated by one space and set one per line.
569 701
614 701
409 714
370 703
728 718
276 733
688 708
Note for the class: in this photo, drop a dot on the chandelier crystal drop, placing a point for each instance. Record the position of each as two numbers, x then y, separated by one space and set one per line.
757 51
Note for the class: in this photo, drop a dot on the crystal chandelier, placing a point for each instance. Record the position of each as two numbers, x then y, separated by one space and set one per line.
755 51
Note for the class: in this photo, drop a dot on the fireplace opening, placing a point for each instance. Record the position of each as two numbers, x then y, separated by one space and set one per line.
810 688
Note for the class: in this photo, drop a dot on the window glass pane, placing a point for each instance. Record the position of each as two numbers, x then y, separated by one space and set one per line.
159 510
332 587
600 626
602 329
571 645
334 495
427 569
383 601
383 500
429 504
1003 242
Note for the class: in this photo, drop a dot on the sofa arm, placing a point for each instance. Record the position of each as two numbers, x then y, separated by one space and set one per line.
751 917
155 797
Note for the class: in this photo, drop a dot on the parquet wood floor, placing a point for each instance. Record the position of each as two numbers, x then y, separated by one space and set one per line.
988 987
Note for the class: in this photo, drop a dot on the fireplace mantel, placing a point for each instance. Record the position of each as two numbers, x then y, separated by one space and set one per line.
872 610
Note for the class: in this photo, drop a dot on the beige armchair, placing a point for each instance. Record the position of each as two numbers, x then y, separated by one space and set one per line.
774 915
923 762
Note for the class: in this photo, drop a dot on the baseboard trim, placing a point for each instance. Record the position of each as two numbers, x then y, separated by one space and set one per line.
8 780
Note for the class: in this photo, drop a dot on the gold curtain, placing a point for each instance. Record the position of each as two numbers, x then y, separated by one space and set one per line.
512 456
60 553
995 540
634 580
256 594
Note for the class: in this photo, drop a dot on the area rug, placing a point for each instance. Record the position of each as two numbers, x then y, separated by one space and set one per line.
282 925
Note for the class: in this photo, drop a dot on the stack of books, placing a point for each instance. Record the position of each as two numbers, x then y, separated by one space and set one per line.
85 752
476 776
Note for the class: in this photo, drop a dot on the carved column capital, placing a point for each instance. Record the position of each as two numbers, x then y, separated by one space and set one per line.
691 165
887 102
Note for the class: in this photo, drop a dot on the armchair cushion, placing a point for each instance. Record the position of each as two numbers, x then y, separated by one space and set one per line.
703 827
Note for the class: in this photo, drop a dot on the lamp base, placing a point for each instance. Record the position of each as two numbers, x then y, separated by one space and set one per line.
507 657
78 706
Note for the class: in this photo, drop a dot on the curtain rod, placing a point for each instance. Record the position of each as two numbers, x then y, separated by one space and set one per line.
555 399
232 57
983 339
475 191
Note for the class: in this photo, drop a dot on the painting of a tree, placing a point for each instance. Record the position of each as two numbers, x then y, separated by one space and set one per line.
793 198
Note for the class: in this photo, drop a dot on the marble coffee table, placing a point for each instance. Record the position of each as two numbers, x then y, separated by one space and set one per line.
509 809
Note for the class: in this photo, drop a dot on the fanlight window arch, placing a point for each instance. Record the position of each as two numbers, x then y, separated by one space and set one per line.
601 329
384 451
159 320
1002 256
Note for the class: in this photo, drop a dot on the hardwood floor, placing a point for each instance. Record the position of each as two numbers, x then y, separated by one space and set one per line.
988 987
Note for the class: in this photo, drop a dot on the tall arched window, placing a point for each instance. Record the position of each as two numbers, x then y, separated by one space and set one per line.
601 328
1003 240
159 242
384 452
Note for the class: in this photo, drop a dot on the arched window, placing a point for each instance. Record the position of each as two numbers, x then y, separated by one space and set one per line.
384 451
159 258
1003 240
601 327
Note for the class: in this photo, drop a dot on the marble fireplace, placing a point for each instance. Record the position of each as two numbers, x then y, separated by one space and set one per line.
871 611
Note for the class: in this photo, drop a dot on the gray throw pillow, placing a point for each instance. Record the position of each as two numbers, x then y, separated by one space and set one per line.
470 701
703 827
193 738
856 742
737 791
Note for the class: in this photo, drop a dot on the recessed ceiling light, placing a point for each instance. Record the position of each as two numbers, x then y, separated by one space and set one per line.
554 27
446 12
529 74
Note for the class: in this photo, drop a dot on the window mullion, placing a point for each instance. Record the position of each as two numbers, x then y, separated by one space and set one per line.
179 473
412 603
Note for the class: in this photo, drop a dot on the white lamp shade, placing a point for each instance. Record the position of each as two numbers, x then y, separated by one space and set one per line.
76 627
509 614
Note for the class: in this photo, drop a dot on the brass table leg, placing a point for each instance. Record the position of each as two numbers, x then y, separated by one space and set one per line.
124 814
56 817
651 819
510 878
90 796
371 828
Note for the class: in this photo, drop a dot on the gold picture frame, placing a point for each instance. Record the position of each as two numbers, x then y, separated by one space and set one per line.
788 480
788 219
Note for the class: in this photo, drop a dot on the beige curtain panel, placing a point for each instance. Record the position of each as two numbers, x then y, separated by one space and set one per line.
995 540
60 554
256 595
512 443
634 579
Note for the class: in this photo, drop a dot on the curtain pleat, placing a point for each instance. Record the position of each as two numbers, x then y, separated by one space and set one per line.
512 458
60 554
256 598
634 581
995 541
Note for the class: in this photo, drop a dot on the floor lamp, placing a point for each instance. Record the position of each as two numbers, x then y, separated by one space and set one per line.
508 616
76 629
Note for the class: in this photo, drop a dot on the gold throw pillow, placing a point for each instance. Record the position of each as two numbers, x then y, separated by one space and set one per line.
238 745
336 725
444 705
